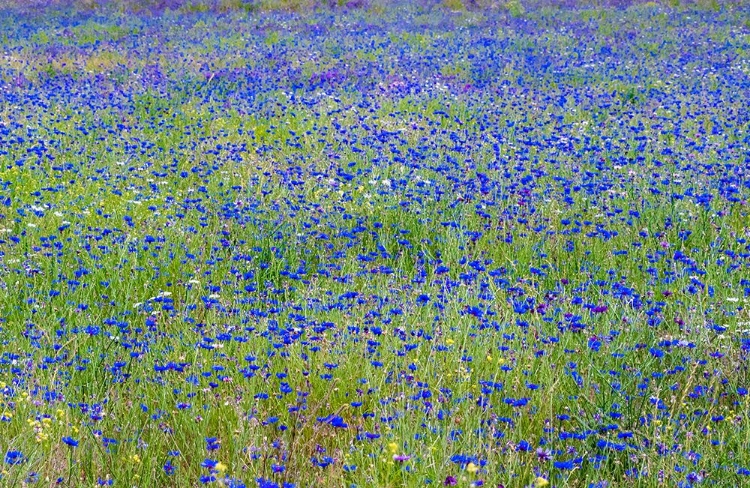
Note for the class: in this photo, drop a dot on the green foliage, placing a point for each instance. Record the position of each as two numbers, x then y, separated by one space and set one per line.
454 4
515 8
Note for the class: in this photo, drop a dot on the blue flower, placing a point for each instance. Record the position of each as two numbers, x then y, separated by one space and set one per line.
14 457
70 441
212 443
564 465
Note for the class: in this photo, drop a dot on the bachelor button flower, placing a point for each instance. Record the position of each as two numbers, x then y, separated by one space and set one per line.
656 352
338 422
564 465
70 441
544 455
233 483
212 443
523 445
14 457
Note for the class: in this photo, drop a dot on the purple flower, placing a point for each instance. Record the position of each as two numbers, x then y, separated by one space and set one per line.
450 481
543 455
694 477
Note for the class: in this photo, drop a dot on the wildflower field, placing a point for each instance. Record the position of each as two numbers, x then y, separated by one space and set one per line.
376 244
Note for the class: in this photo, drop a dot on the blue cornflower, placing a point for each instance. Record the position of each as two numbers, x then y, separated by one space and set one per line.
14 457
70 441
212 443
564 465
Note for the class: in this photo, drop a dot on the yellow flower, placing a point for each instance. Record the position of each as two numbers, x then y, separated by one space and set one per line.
393 447
472 468
221 467
449 342
539 482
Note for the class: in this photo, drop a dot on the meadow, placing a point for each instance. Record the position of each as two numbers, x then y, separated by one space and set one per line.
375 244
